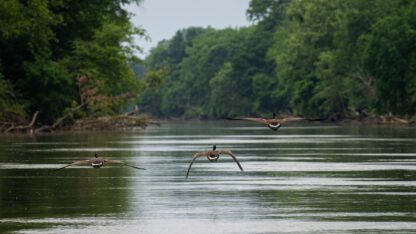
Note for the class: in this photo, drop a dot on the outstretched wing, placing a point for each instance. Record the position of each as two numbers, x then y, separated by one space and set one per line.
228 152
76 163
197 155
122 163
291 118
258 120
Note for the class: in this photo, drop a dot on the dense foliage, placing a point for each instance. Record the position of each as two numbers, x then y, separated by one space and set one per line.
318 58
56 55
331 59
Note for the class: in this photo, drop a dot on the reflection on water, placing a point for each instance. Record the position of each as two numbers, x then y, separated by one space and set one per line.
298 179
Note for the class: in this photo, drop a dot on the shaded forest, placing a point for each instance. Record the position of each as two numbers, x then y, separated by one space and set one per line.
62 61
332 59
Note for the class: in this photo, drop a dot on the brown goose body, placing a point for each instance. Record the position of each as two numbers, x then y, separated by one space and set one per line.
97 162
213 155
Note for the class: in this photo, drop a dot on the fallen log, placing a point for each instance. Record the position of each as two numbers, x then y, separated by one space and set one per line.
23 127
390 119
50 128
111 122
403 121
127 120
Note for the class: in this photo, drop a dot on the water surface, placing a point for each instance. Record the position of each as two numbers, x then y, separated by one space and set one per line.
302 178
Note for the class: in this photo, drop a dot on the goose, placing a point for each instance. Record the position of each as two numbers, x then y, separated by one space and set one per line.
213 155
274 123
98 162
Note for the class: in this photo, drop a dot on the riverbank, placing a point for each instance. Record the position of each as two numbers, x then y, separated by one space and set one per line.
131 121
367 120
102 123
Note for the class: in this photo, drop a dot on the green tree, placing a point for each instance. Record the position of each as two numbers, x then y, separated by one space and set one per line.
309 57
46 46
389 55
11 109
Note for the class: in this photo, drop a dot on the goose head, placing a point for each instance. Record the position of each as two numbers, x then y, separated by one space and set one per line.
213 155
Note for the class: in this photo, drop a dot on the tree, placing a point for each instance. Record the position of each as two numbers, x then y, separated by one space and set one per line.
331 59
389 55
46 46
11 109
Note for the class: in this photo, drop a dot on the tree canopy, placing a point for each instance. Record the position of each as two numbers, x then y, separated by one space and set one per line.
331 59
55 55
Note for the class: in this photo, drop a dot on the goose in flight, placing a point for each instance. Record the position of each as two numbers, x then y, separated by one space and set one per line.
98 162
273 123
213 155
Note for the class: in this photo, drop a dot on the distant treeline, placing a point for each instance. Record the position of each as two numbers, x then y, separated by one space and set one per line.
64 60
332 59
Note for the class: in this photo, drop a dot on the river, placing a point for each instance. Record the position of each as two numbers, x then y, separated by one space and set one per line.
302 178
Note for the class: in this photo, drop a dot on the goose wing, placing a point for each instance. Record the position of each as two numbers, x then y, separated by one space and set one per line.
76 163
228 152
197 155
291 118
258 120
122 163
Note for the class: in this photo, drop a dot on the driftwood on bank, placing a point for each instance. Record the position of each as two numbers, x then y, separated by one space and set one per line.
58 122
28 127
92 99
126 120
110 122
391 119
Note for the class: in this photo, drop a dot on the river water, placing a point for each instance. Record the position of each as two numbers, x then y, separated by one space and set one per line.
302 178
